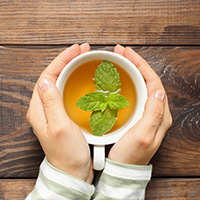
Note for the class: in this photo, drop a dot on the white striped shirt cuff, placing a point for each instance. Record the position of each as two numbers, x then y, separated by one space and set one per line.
133 172
122 181
53 183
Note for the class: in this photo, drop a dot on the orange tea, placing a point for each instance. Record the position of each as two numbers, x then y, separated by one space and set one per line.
81 82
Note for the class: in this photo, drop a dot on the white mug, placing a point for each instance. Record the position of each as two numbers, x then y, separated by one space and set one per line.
99 142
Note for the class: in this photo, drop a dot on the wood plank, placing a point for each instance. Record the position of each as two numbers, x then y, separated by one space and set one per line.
157 189
15 189
178 67
100 22
177 189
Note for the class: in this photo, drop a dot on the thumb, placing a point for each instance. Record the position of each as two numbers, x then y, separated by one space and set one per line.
154 110
51 100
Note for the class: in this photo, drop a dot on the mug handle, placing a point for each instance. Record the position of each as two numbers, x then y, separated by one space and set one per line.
98 157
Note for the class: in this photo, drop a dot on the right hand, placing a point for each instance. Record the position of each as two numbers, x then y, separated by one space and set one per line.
140 143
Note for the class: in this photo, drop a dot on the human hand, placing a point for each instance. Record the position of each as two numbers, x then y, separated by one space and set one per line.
140 143
61 139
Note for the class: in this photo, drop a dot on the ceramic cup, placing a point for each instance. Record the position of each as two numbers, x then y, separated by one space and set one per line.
99 142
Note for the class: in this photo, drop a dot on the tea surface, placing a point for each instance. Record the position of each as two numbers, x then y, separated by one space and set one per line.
81 82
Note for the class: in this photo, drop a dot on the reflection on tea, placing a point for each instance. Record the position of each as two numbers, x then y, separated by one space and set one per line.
81 82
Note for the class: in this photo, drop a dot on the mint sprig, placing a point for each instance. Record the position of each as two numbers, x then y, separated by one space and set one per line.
106 102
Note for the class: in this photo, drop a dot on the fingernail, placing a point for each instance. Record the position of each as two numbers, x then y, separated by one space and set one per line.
44 84
71 52
119 49
160 94
85 47
84 44
74 46
71 47
119 45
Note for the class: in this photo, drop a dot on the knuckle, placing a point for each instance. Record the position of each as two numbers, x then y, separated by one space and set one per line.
144 142
60 128
157 83
170 120
157 113
28 115
57 131
48 101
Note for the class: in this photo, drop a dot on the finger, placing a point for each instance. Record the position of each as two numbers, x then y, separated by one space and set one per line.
144 68
35 115
165 124
119 49
154 112
52 102
56 66
84 48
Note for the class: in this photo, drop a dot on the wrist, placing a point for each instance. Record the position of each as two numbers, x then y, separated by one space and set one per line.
84 174
79 171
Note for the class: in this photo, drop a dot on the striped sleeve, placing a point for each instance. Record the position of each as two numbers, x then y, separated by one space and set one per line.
54 184
121 181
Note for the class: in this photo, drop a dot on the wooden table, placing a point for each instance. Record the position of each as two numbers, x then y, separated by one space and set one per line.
165 32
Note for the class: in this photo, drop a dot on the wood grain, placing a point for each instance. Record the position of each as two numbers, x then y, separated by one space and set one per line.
157 189
173 189
178 67
100 22
17 189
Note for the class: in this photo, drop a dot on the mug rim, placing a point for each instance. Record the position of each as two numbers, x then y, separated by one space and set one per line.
130 67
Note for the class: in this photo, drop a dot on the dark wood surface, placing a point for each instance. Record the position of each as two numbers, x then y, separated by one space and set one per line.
157 189
165 33
100 22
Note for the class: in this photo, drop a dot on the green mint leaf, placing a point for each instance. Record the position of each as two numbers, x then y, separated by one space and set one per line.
92 102
107 77
117 101
102 122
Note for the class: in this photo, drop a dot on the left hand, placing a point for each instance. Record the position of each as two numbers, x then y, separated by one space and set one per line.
61 139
